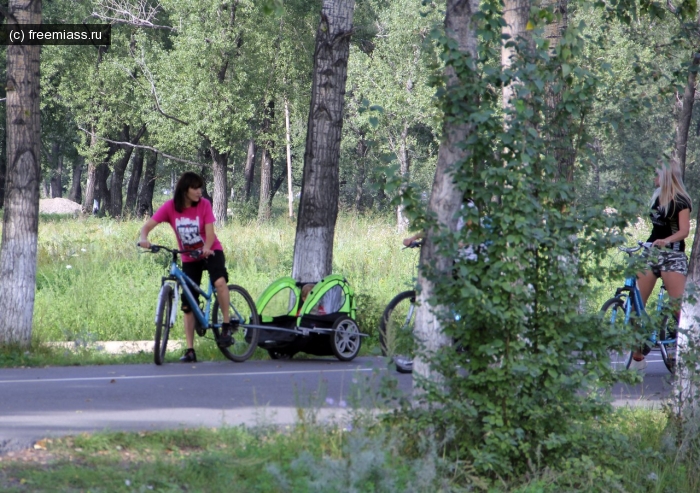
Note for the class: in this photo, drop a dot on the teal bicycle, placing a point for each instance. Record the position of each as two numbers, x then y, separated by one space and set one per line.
208 316
627 307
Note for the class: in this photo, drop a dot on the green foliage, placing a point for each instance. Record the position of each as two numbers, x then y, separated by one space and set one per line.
526 389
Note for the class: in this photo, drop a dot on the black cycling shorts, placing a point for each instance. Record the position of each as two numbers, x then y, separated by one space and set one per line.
214 264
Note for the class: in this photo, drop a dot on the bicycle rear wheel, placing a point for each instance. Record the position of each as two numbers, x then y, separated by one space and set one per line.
614 314
163 315
241 310
668 349
396 326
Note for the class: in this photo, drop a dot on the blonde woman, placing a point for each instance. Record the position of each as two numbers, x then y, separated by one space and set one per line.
670 217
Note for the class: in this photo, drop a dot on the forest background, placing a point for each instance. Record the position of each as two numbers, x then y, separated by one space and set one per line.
208 86
223 89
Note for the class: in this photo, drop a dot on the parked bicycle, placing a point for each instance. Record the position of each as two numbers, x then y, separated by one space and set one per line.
627 307
208 317
396 327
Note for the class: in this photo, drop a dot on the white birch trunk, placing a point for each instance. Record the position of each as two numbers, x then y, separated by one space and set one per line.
20 225
318 207
445 199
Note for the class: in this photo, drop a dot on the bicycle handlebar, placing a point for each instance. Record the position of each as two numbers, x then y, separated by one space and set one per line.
631 250
157 248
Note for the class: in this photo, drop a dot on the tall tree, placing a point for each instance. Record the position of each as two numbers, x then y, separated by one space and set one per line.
249 172
515 30
21 217
76 193
132 189
144 206
445 197
318 207
119 168
266 165
559 132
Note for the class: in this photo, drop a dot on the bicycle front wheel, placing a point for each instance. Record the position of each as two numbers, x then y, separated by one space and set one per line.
241 310
396 326
614 315
163 315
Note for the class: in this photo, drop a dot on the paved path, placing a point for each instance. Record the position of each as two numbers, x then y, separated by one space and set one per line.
41 402
652 392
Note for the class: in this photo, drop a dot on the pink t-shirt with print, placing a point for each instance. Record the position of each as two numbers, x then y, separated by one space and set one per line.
188 225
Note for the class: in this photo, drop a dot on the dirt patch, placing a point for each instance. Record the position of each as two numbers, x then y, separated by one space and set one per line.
59 206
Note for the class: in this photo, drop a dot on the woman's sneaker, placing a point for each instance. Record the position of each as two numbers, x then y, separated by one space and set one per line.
189 356
638 364
225 339
403 364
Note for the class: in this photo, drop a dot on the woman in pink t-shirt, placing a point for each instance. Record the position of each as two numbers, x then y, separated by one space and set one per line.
192 219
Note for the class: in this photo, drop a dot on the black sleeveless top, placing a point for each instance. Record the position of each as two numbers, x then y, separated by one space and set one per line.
666 224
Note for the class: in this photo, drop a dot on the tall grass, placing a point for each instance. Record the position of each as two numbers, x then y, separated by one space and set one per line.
93 283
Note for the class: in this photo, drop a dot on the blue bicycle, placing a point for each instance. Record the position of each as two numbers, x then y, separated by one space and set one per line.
627 307
242 312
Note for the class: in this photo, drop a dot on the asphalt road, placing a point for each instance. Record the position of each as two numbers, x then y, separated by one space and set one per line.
43 402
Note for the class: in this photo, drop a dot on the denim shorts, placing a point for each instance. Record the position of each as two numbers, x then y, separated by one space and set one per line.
666 260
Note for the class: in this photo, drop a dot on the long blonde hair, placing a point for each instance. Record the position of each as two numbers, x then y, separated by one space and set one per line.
670 187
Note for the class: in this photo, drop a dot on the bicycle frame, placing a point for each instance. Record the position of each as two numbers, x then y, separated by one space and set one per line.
181 280
634 302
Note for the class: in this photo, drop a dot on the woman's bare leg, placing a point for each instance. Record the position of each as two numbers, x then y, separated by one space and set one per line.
675 286
645 282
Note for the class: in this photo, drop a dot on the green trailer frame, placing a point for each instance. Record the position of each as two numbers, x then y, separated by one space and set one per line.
299 327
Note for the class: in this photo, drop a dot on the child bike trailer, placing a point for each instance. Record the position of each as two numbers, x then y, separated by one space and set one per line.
322 325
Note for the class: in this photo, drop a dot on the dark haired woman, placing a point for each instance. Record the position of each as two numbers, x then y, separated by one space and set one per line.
192 219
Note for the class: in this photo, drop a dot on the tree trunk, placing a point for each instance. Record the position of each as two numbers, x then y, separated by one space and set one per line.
318 207
76 192
3 166
91 195
56 159
205 176
57 181
276 184
264 210
249 169
361 152
45 190
678 157
445 197
290 190
515 15
404 170
220 202
102 189
132 188
265 196
558 131
144 207
91 185
117 181
21 217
